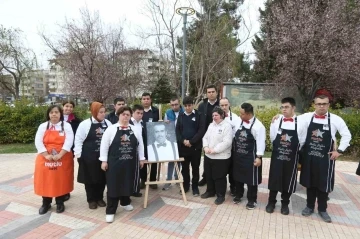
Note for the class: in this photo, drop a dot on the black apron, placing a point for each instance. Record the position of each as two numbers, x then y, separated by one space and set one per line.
90 171
123 164
284 160
317 169
244 156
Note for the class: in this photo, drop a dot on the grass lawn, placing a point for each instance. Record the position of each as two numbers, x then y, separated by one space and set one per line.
17 148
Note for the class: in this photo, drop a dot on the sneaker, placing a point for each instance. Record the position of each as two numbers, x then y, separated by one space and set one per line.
236 200
109 218
250 205
285 210
325 216
166 186
219 200
270 208
307 212
207 195
128 207
196 192
202 182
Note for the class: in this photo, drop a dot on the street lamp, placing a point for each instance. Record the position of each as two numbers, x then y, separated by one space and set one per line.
184 12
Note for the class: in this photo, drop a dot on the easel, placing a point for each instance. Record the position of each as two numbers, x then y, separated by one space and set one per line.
160 164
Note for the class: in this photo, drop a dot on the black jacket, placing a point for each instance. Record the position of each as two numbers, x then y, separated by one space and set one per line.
143 133
196 141
203 110
155 115
112 117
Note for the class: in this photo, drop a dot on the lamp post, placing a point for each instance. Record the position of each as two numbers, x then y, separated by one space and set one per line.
184 12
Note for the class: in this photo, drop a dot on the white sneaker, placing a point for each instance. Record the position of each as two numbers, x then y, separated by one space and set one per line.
128 207
109 218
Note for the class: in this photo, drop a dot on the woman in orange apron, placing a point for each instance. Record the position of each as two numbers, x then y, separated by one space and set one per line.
54 166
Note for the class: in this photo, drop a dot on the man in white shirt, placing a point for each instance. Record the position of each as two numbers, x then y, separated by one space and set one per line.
249 147
318 163
235 122
162 149
287 135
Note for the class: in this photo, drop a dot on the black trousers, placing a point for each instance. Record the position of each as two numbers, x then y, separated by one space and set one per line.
216 171
153 172
285 197
231 177
251 192
94 192
112 203
192 158
312 194
58 200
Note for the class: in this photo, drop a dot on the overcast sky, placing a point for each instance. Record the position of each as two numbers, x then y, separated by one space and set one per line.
33 15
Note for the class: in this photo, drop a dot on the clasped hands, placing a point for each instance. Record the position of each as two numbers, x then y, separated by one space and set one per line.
187 143
53 157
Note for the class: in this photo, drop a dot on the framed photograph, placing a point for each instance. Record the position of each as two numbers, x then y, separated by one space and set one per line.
162 144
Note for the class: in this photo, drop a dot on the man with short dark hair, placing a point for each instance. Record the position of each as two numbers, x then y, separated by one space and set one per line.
318 162
112 117
151 114
171 116
189 133
205 108
287 135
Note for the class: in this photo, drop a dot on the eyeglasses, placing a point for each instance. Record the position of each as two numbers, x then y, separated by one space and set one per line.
321 104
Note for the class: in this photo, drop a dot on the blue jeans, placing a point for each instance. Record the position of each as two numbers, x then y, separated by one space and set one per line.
171 167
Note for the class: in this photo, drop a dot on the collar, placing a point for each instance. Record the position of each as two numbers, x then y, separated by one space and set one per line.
219 124
192 112
57 124
291 117
93 120
134 120
213 103
150 109
326 114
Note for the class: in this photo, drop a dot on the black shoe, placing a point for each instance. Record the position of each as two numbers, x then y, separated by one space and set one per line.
137 195
270 208
219 200
154 186
60 208
207 195
142 185
285 210
44 209
250 205
236 200
325 216
101 203
93 205
202 182
307 212
233 192
66 197
196 191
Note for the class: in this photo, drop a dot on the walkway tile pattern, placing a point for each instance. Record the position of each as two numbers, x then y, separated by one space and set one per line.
168 217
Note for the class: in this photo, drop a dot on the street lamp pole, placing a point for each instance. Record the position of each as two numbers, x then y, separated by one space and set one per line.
184 12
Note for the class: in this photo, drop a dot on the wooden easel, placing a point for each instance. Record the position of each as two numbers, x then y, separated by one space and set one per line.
160 164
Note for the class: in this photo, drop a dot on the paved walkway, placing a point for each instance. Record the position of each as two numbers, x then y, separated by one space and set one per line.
167 216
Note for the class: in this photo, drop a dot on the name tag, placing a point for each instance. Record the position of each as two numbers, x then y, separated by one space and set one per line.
61 133
150 119
193 119
325 127
220 131
279 131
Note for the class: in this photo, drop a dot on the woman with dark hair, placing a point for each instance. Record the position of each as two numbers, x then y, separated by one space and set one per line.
87 151
121 153
217 143
69 116
54 166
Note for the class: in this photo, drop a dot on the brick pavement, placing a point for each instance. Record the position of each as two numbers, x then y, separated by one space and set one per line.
167 216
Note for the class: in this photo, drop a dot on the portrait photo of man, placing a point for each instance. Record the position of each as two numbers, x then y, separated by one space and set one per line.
162 145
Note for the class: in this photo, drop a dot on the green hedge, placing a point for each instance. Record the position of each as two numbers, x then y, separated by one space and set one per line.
19 124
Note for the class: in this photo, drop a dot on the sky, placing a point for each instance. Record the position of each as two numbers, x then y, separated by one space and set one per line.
33 16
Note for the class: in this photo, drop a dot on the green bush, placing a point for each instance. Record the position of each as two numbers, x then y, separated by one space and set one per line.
19 124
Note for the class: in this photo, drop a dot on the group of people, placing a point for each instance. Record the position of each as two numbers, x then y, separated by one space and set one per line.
111 151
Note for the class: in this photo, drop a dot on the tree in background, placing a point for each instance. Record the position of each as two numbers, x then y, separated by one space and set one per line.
162 92
15 60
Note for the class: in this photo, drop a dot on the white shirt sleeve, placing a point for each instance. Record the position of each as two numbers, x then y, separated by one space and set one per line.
141 143
80 136
274 127
302 131
344 133
205 138
39 144
259 133
227 139
69 137
106 141
236 124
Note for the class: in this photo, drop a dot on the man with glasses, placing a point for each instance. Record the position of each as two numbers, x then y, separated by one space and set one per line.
234 121
287 134
171 116
318 163
112 117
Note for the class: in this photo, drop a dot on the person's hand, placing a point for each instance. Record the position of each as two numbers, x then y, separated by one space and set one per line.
206 150
57 157
104 166
334 155
275 118
49 157
211 151
142 163
257 162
